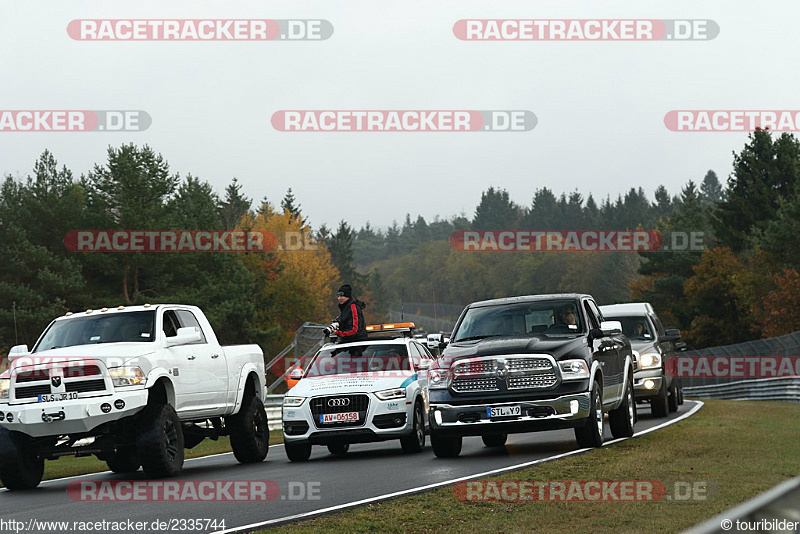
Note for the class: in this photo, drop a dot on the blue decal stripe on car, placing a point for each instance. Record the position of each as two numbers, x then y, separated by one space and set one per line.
408 380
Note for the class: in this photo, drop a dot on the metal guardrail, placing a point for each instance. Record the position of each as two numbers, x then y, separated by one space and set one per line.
770 511
771 389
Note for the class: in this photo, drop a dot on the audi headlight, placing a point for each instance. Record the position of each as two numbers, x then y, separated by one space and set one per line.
437 378
649 360
126 376
573 369
5 386
293 402
388 394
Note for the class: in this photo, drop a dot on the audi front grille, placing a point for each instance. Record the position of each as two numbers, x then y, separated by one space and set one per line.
335 404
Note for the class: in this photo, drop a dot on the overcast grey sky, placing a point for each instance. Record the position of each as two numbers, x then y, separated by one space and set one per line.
600 105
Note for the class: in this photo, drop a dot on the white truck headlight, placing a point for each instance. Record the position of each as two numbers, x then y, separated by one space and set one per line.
649 360
293 402
437 378
573 369
126 376
388 394
5 387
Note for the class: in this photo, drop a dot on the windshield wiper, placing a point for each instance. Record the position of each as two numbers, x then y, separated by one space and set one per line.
471 338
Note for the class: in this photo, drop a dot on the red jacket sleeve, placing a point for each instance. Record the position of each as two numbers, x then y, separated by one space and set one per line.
353 330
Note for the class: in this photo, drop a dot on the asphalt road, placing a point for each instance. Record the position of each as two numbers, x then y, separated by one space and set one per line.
368 473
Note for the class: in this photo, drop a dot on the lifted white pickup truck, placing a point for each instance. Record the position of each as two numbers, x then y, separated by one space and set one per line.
144 382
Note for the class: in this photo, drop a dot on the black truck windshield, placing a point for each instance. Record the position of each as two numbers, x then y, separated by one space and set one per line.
136 327
521 320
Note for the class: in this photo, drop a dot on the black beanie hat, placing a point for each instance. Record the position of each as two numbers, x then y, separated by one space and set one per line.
345 290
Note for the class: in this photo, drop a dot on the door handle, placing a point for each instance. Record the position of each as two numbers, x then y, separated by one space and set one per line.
191 357
213 356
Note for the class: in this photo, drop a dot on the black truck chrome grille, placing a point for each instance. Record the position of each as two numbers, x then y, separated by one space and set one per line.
504 373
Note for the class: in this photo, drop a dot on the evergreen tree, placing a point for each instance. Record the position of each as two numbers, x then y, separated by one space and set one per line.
235 205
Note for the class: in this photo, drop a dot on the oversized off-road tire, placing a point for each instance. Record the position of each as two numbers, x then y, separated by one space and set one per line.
672 400
297 452
249 431
338 449
622 418
159 442
590 434
446 446
659 405
415 441
123 460
20 467
495 440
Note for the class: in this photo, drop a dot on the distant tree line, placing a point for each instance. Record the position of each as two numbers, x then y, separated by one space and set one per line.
743 284
259 297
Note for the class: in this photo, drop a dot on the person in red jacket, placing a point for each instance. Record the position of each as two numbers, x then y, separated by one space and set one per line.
350 325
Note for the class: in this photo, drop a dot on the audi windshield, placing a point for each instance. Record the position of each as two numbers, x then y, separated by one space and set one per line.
360 359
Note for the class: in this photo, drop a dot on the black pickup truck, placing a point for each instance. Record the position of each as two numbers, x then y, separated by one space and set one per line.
531 363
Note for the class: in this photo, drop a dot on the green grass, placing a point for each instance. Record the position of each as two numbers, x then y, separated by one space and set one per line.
69 465
740 448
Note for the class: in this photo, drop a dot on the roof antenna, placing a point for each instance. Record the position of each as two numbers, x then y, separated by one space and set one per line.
402 301
435 317
14 313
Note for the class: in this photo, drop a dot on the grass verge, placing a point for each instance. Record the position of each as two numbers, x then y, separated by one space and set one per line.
739 448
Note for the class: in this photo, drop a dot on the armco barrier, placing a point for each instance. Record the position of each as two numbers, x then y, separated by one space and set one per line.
773 389
780 504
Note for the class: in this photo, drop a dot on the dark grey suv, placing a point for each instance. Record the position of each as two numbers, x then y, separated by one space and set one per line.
653 345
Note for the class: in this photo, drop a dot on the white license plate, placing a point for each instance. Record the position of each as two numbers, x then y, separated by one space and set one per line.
58 397
346 417
503 411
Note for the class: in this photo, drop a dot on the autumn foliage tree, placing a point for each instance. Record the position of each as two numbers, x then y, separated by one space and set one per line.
294 280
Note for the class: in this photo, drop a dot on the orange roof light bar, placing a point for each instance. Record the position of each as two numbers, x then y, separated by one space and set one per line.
390 326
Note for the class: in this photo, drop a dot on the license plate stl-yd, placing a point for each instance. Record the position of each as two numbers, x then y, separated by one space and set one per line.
346 417
57 397
503 411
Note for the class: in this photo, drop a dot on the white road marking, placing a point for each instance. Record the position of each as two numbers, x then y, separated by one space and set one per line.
307 515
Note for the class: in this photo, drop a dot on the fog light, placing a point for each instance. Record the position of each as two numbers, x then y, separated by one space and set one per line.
2 416
10 417
573 407
437 415
119 404
649 384
105 407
